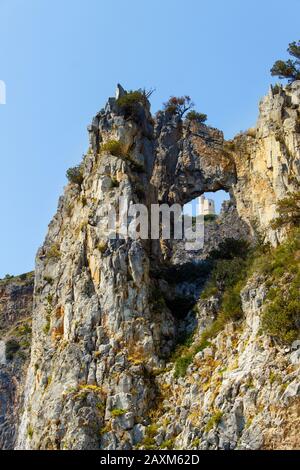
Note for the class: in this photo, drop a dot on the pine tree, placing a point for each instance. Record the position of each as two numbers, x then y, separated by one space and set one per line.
289 69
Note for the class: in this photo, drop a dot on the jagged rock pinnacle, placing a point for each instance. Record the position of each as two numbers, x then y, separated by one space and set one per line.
120 91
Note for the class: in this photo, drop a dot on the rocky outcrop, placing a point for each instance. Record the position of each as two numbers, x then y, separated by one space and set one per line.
16 298
190 160
16 295
241 392
98 334
107 313
258 167
267 158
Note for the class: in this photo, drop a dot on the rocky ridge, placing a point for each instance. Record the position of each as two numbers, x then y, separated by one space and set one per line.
103 327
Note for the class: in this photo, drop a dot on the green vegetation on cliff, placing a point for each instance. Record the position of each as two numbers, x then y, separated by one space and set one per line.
234 264
289 69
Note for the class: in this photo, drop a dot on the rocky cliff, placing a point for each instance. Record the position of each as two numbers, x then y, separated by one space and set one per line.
267 158
240 392
16 299
110 314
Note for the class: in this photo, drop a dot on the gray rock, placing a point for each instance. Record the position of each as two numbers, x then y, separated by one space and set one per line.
295 357
119 91
293 390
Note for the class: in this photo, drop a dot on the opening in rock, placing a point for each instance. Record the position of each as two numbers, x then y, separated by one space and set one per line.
208 204
189 271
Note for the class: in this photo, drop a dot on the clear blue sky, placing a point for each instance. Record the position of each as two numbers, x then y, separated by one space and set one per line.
61 59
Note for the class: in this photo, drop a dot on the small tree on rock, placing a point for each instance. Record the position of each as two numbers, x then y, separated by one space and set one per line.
75 175
289 69
178 105
289 212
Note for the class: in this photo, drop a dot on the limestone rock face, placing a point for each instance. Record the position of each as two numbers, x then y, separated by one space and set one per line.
267 158
97 335
241 392
189 160
16 298
258 168
108 312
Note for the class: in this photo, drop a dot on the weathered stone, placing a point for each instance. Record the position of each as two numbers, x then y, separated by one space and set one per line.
16 298
106 322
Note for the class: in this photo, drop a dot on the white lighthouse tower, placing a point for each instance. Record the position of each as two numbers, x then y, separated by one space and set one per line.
206 206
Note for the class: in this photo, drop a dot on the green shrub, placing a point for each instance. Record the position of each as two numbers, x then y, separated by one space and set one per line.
118 412
131 103
194 116
231 248
114 147
181 353
195 443
29 431
288 212
102 246
231 306
281 268
181 365
232 261
214 420
53 251
75 175
103 430
131 98
11 347
209 333
210 290
168 444
151 430
204 343
281 317
148 443
210 217
227 272
46 327
24 329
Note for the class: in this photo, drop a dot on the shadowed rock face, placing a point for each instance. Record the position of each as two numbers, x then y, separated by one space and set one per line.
102 333
16 298
190 160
